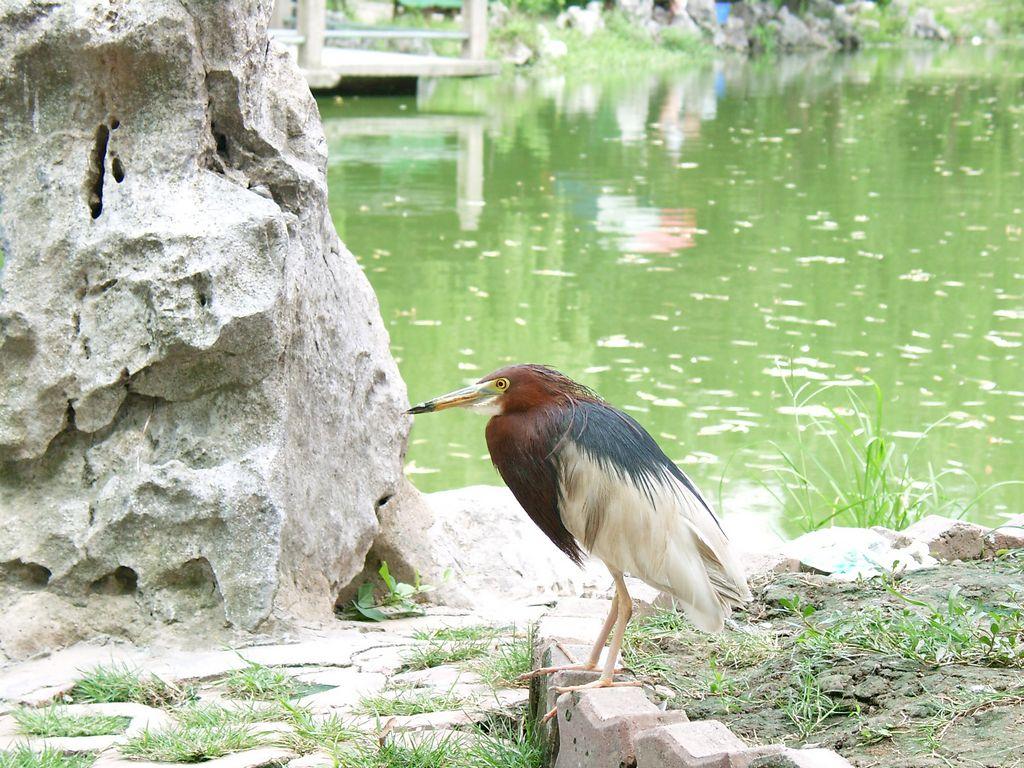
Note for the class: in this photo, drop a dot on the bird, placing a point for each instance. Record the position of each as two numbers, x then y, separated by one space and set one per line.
595 481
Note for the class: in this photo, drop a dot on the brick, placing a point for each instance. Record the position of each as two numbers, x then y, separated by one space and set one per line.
948 539
700 744
1009 535
598 728
573 629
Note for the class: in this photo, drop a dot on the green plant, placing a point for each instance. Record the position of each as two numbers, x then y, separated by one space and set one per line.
122 683
212 716
503 667
396 601
806 705
256 681
310 734
56 722
845 469
408 701
436 653
959 631
24 757
193 744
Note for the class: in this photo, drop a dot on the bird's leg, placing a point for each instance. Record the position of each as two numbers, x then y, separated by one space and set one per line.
625 611
595 654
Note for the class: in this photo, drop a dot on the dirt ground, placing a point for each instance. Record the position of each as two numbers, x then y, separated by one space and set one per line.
924 670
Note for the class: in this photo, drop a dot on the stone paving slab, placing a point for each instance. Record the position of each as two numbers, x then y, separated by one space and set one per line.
252 758
142 717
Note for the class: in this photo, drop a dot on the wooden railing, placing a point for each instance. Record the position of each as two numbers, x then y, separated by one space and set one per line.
311 32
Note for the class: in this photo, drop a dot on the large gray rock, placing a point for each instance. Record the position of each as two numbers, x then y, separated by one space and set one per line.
794 34
199 409
497 553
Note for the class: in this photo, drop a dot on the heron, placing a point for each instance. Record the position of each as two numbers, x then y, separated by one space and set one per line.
595 481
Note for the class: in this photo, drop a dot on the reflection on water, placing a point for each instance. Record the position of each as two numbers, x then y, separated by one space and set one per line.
690 244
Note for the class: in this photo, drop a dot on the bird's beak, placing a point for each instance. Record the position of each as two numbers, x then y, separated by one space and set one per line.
475 394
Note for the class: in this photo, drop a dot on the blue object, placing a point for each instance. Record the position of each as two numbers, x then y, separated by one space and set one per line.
722 9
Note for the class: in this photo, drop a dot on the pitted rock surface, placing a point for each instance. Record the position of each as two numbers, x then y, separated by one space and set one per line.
200 412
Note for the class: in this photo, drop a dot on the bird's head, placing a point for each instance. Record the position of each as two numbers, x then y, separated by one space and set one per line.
511 389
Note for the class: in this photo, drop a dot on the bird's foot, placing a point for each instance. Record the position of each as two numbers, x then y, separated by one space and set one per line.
604 682
560 668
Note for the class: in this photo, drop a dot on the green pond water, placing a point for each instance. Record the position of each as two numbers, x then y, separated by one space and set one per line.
696 245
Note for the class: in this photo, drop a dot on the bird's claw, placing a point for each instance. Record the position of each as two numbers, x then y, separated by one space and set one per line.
600 683
551 670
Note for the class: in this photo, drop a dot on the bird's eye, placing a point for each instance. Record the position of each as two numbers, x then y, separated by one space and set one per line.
501 384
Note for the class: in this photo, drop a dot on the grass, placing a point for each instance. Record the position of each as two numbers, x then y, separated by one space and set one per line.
438 652
509 661
55 722
330 734
118 682
646 650
408 701
23 757
259 682
211 716
845 468
190 744
806 705
497 744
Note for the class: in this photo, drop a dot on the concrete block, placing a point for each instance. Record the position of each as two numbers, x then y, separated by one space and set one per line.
700 744
598 728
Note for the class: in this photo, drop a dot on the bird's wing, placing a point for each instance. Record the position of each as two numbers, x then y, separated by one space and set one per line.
523 451
635 509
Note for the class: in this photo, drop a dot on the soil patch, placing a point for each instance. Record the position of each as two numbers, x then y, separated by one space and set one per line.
923 670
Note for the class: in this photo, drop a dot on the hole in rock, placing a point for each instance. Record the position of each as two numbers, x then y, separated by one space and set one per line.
114 123
122 581
384 499
25 575
94 177
117 168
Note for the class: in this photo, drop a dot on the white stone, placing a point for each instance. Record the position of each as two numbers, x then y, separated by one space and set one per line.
497 553
850 553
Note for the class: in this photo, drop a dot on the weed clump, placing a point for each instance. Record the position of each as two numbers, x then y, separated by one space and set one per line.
119 682
56 722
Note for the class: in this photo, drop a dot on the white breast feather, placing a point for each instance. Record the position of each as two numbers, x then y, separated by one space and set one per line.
673 544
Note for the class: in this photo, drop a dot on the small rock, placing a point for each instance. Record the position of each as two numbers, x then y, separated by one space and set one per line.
1008 535
553 49
519 55
497 14
703 13
924 25
586 20
948 539
733 36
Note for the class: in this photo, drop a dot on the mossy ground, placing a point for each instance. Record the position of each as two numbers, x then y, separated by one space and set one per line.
925 671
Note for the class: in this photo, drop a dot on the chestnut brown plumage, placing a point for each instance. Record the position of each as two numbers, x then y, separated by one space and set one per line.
593 479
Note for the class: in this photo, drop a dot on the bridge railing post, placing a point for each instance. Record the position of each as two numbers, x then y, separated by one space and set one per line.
474 23
282 11
311 23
